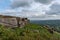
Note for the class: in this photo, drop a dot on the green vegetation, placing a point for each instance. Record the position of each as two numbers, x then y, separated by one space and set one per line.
29 32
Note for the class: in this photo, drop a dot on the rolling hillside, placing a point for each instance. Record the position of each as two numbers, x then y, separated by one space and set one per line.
29 32
52 23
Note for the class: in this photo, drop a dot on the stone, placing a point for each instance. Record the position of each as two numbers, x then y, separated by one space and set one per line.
12 21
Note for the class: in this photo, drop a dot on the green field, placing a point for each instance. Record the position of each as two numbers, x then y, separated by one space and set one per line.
29 32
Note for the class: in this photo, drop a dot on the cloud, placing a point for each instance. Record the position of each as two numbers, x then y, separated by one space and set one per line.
20 3
27 3
44 1
34 9
55 9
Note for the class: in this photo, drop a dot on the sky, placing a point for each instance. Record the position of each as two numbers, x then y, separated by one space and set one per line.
32 9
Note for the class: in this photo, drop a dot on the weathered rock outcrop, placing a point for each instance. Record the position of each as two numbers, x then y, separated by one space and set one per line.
51 30
12 21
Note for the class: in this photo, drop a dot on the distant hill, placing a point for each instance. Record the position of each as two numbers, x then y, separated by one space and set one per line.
47 22
29 32
52 23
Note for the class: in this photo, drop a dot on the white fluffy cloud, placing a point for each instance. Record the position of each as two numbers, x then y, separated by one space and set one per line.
34 9
24 3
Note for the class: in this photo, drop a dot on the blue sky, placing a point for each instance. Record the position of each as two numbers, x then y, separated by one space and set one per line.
4 4
33 9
